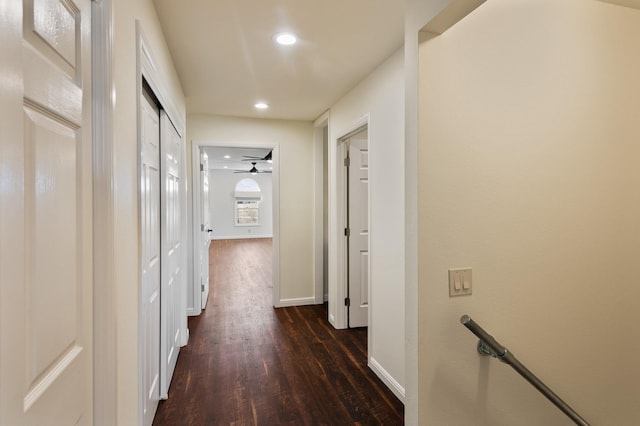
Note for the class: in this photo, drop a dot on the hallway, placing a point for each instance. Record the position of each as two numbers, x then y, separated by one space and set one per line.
248 364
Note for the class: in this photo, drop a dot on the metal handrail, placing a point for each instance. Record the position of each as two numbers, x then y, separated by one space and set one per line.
488 346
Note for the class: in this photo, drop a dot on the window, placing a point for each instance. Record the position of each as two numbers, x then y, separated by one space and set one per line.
247 203
247 212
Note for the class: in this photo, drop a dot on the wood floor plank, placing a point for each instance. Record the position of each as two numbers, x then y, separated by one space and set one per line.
250 364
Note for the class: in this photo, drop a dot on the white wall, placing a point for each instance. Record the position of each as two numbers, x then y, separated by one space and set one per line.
381 96
295 141
529 126
126 239
222 184
417 14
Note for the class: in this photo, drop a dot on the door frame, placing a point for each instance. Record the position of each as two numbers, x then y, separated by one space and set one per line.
319 207
275 187
104 292
339 212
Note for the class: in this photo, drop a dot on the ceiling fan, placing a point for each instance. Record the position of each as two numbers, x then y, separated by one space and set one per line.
254 170
266 158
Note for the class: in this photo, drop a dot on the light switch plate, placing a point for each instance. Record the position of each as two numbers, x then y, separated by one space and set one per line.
460 282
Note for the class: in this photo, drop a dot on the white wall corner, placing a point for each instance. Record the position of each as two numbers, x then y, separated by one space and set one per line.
451 15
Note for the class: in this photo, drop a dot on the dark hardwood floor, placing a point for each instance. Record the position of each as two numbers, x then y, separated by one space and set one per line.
250 364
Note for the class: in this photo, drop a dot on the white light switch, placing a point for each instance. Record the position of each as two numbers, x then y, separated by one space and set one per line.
460 282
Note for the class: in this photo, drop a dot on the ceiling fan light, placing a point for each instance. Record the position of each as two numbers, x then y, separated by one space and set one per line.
261 105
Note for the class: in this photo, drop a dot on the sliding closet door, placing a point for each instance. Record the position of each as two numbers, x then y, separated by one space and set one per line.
151 262
173 244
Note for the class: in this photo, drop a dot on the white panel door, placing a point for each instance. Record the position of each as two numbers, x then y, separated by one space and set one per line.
172 244
205 228
150 230
358 218
45 213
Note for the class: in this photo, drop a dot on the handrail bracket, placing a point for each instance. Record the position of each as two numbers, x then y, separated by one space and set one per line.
485 350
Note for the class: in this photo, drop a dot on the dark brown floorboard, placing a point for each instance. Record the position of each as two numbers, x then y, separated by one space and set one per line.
250 364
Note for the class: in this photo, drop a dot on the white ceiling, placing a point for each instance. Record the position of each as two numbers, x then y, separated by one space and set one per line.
226 59
240 158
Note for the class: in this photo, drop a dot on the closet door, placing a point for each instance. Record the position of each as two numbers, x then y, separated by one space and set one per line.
151 258
173 245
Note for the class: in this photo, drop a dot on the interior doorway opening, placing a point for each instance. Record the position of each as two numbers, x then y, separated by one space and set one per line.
354 216
233 209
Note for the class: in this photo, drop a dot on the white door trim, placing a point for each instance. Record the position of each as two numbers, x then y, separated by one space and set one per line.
318 208
104 297
275 182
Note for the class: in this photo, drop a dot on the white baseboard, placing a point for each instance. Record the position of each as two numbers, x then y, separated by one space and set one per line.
332 320
301 301
387 379
239 237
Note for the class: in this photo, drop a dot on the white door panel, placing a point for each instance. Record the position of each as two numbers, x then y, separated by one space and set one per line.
172 245
46 259
151 259
205 228
358 218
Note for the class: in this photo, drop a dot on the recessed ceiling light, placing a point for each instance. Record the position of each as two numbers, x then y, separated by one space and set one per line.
261 105
227 157
286 39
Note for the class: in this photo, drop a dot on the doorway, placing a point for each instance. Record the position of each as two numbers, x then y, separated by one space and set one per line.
355 213
235 210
